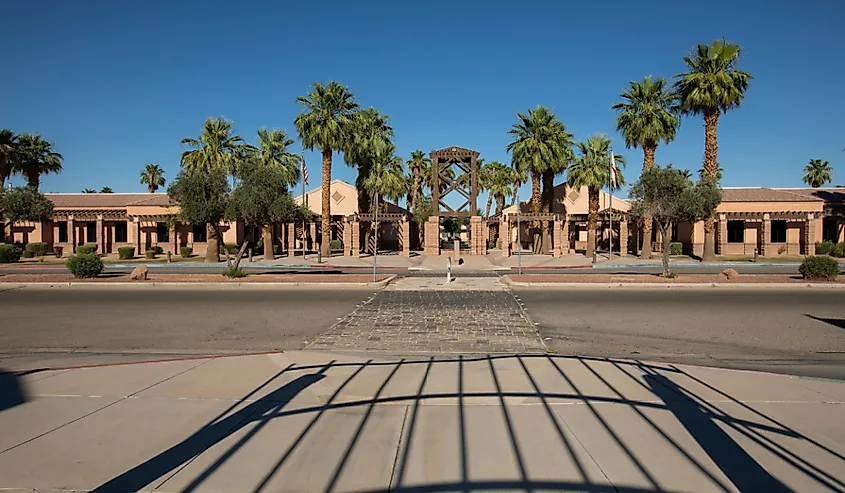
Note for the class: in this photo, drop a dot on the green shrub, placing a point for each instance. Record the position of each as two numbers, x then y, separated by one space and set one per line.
38 248
819 267
9 254
670 275
126 253
839 250
491 245
58 250
85 265
825 247
150 253
231 249
159 250
276 250
27 254
82 249
336 245
185 251
676 248
233 273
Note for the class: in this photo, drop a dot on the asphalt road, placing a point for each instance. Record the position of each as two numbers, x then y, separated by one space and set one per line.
798 331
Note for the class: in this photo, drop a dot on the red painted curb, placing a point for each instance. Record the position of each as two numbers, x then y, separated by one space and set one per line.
555 267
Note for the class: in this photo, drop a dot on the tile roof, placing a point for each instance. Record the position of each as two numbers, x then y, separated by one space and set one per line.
106 200
765 195
826 194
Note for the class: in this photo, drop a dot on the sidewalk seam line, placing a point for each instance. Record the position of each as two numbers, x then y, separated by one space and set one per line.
398 449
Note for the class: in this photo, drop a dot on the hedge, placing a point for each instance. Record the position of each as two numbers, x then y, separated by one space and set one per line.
336 245
82 249
126 253
150 253
676 248
186 251
85 265
819 268
9 254
839 250
159 250
38 248
58 250
825 247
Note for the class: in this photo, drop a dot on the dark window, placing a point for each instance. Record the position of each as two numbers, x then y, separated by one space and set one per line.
62 227
674 232
91 232
199 233
778 232
2 233
736 231
120 232
830 230
162 233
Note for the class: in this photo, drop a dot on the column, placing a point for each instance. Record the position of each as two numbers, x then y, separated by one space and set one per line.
810 234
432 236
503 227
312 230
623 237
291 239
405 237
174 239
355 247
764 242
564 246
557 239
71 235
101 244
478 242
137 229
347 238
722 240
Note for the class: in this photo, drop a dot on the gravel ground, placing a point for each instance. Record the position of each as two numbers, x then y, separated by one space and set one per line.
656 279
200 278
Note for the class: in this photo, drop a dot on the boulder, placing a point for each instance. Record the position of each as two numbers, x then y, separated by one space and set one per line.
139 273
730 274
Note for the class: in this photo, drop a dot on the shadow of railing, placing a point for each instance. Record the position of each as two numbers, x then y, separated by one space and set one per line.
701 419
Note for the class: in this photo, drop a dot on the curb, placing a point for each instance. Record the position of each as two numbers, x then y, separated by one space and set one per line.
747 285
551 267
19 285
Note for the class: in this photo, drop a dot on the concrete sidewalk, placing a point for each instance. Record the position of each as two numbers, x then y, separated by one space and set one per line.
311 421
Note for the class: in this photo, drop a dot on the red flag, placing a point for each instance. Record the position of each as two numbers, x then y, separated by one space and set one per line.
304 172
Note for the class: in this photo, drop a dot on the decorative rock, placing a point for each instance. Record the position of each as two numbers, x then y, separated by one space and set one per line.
730 274
139 273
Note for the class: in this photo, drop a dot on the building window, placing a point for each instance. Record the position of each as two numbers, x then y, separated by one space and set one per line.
778 232
2 233
162 233
199 232
91 232
675 232
830 230
62 227
120 232
736 231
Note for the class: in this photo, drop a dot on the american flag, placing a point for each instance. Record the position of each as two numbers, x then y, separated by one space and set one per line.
613 178
304 172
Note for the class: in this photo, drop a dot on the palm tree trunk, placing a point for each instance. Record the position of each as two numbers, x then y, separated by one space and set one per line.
489 204
267 234
548 190
415 192
325 245
592 220
536 198
516 185
212 249
711 170
33 179
648 222
500 203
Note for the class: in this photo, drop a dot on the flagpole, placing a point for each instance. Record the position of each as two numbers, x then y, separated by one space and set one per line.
610 250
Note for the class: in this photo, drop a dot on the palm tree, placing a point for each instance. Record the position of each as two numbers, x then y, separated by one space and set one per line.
713 85
386 176
36 157
106 190
540 145
592 169
703 174
498 181
447 174
647 116
8 154
817 173
326 124
153 177
216 148
272 151
417 164
368 127
88 190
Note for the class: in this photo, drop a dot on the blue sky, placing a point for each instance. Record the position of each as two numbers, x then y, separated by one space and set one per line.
116 85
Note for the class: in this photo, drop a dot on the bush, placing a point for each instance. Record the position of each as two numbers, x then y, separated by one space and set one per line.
491 244
233 273
126 253
150 253
676 248
336 245
85 265
83 249
9 254
819 267
27 254
276 250
59 251
839 250
38 248
231 248
185 251
825 247
159 250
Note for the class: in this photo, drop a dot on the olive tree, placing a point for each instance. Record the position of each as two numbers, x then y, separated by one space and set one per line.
669 196
24 204
203 197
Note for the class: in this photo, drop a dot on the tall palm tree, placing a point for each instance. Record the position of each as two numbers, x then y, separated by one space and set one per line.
540 145
106 190
326 124
273 151
713 85
704 175
8 154
88 190
153 177
417 164
647 116
386 176
36 157
817 173
592 169
368 127
447 174
216 148
498 180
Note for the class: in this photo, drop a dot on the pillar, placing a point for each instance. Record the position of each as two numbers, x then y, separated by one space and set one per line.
312 230
432 236
347 238
623 237
137 228
174 239
355 235
71 235
722 240
503 228
557 240
478 240
764 242
291 239
405 237
101 243
810 234
564 246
